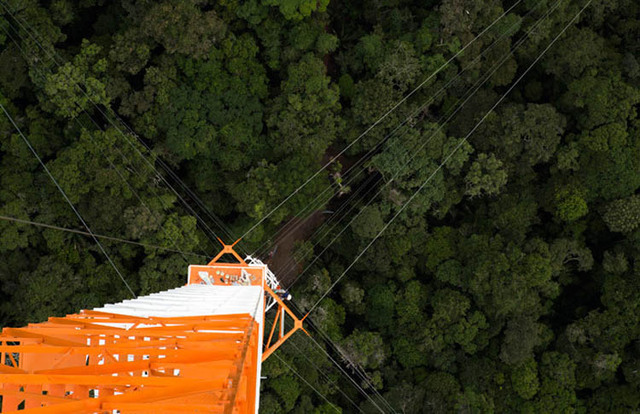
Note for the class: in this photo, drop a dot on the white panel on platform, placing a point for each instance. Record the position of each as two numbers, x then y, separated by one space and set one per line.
193 300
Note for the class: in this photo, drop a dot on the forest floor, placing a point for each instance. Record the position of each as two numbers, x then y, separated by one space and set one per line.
282 263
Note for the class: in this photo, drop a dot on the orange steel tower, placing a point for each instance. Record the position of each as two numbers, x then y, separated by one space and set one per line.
197 349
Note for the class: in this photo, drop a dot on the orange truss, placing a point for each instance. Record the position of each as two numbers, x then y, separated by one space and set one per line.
108 361
77 364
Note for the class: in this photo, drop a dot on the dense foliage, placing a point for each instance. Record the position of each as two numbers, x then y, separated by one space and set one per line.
511 283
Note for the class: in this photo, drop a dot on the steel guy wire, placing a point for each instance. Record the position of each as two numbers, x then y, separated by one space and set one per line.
356 385
307 382
186 205
359 371
470 94
190 193
400 102
355 365
40 73
86 226
100 236
291 262
97 106
313 205
451 154
411 116
156 173
331 382
345 373
320 371
114 167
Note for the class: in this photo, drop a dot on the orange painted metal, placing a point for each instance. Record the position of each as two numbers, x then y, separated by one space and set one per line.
100 373
228 249
97 362
270 348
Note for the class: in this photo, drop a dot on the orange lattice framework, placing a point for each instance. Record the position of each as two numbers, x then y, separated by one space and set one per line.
196 349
